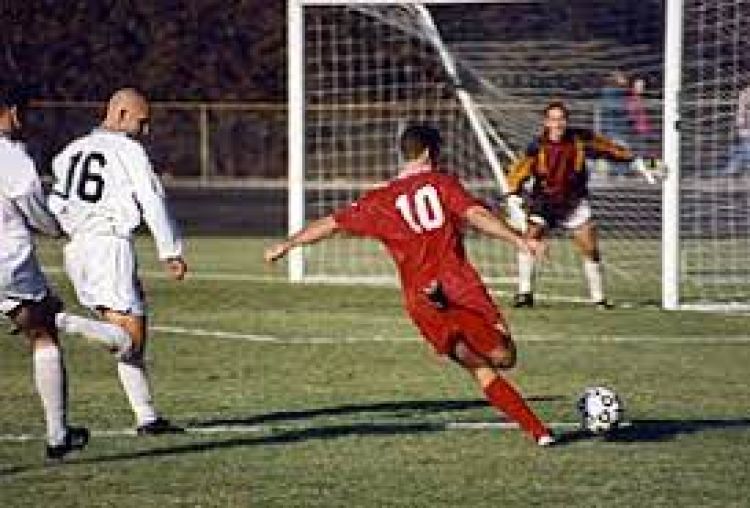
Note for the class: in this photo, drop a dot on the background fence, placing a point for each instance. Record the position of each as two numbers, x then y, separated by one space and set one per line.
225 165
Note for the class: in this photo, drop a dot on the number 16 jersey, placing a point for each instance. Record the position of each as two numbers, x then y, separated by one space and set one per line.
105 185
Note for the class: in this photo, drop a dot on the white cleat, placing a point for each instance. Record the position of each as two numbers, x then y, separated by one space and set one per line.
546 440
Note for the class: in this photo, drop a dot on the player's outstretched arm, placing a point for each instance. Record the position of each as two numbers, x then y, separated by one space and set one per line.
484 221
605 147
313 232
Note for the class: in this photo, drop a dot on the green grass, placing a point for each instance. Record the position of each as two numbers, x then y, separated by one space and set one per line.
358 424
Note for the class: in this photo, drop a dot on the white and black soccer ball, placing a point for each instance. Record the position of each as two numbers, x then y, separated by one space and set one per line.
600 409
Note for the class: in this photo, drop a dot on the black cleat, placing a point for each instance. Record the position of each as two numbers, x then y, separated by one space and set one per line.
604 305
523 300
158 427
75 439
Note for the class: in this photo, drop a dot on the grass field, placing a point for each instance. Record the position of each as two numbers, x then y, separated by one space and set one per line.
324 396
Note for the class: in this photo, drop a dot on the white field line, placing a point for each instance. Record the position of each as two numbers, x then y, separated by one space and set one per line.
392 282
177 330
281 278
248 429
217 276
249 337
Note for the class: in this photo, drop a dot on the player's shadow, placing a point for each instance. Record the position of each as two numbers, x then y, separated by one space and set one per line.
405 409
397 409
277 438
639 431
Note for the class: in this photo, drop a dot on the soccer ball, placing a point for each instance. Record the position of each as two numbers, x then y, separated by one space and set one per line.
600 409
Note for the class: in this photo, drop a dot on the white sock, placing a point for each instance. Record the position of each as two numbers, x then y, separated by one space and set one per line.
593 271
50 381
135 383
109 334
526 269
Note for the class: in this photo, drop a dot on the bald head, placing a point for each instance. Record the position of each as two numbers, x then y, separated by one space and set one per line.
127 111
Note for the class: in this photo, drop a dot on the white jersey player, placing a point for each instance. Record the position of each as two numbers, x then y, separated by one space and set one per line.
22 206
105 187
24 294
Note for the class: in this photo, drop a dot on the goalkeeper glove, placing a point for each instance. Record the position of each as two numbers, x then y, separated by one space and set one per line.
651 172
516 212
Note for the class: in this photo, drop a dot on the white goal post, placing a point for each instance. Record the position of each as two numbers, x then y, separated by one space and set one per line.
706 198
670 298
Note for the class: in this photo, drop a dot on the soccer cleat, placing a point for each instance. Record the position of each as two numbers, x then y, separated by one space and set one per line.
75 439
158 427
523 300
546 440
604 305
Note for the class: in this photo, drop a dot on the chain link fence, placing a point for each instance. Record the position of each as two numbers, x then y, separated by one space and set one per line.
203 144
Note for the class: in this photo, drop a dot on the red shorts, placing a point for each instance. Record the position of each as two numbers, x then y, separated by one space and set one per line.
471 317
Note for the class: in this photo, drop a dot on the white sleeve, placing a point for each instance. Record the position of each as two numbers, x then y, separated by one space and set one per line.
24 190
34 209
150 196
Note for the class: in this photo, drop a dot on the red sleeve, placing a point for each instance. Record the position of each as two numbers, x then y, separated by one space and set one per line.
358 217
457 199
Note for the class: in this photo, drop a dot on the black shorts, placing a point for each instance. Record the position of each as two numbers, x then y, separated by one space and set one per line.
553 215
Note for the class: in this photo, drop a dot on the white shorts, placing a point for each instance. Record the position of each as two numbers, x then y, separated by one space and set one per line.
572 220
20 281
103 271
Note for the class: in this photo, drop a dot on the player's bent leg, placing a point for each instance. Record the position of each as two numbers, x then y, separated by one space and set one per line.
132 370
527 270
586 240
133 325
114 337
490 340
500 393
35 320
133 375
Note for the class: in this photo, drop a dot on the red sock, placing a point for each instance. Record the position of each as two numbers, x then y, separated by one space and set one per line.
505 398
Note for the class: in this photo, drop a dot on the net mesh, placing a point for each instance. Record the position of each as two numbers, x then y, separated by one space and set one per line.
715 152
371 69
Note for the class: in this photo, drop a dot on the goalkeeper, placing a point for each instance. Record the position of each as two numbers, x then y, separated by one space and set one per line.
555 163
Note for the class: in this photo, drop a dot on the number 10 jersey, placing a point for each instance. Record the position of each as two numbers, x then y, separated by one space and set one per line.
419 218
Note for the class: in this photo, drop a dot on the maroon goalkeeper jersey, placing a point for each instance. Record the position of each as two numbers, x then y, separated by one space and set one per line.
559 168
419 218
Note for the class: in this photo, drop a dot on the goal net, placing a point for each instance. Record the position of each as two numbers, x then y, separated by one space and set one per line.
360 72
713 262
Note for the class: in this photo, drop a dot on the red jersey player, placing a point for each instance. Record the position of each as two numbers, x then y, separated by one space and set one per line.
419 216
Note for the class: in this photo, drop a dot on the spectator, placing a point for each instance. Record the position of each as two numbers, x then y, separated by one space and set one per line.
739 158
641 127
613 113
